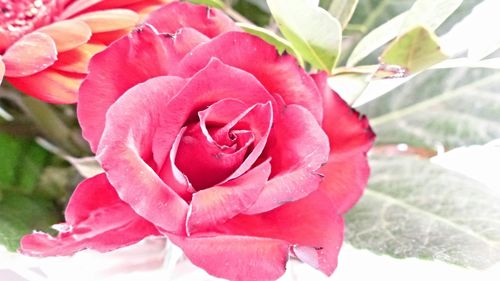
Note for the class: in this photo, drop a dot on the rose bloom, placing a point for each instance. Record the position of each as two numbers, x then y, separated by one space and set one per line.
210 137
45 45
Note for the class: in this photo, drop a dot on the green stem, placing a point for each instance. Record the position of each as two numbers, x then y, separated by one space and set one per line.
235 15
50 124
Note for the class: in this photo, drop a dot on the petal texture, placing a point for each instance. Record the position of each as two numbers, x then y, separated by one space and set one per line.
96 219
232 257
346 173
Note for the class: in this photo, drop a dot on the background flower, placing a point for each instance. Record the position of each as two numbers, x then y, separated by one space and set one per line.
45 45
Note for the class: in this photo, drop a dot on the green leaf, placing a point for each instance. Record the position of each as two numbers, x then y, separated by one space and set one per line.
314 33
343 10
212 3
413 208
448 107
429 13
20 215
415 50
21 163
254 10
265 34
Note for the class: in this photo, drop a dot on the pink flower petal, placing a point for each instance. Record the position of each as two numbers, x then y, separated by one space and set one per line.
206 87
144 54
279 74
96 219
171 17
31 54
310 225
77 60
68 34
109 20
347 170
50 85
298 147
125 152
207 162
217 204
171 174
236 257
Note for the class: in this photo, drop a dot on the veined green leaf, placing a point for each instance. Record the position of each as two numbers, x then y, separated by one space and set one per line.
313 32
446 107
415 50
413 208
429 13
343 10
270 37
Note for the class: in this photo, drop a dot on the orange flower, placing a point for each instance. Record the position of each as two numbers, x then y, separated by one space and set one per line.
45 45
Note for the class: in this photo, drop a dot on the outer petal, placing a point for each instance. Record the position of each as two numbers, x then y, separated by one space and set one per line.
126 149
31 54
141 54
298 147
50 85
279 74
236 257
350 135
144 54
68 34
96 219
310 224
217 204
171 17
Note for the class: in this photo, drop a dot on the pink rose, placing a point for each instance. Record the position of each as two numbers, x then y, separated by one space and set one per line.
210 137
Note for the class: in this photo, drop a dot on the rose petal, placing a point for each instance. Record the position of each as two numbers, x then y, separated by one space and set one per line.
236 257
96 219
137 53
68 34
217 204
171 174
144 54
206 87
346 173
109 20
77 60
31 54
310 224
298 147
171 17
125 152
50 85
279 74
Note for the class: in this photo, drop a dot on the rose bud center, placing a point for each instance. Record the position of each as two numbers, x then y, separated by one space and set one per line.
213 148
